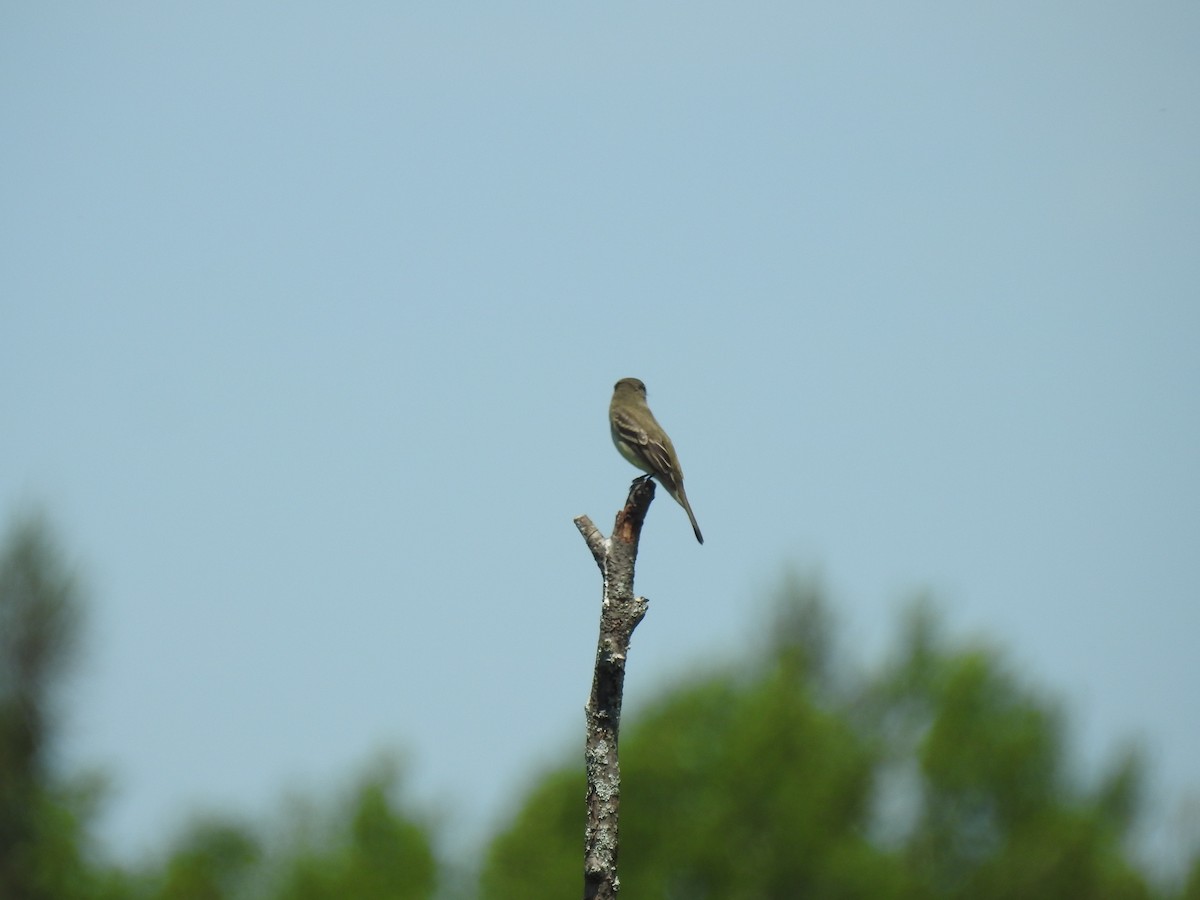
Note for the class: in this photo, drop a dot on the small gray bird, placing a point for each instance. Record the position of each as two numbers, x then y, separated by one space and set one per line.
642 441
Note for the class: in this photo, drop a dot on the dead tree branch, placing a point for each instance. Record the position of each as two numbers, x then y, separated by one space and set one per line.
620 613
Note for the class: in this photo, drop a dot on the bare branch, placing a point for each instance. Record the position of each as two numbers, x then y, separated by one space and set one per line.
620 613
595 540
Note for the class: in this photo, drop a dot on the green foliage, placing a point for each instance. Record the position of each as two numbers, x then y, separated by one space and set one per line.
541 855
365 846
213 859
749 788
41 820
370 848
1191 889
996 814
941 776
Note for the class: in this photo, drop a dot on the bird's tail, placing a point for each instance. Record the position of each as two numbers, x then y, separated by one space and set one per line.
682 500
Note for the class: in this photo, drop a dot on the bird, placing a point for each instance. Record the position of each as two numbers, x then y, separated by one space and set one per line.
641 440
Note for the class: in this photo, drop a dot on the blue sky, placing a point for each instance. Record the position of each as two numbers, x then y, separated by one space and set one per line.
309 319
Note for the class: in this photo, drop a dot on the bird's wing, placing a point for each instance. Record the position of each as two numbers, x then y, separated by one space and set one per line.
656 454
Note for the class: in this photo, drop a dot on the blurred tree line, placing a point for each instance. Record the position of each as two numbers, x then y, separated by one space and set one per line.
941 775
